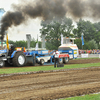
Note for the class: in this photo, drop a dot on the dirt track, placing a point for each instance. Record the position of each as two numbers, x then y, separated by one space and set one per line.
83 61
48 86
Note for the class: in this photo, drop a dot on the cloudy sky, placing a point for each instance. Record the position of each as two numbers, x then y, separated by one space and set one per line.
19 33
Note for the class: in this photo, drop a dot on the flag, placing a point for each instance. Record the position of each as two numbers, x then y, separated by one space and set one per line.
36 48
1 12
82 39
61 39
7 42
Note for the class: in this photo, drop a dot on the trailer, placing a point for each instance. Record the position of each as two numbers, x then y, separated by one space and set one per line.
43 57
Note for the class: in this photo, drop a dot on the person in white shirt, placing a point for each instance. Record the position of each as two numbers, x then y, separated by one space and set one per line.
56 57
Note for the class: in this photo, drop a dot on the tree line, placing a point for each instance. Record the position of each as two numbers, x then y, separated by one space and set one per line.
23 43
53 30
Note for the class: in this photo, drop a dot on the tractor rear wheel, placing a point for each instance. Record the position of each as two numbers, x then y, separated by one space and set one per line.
19 59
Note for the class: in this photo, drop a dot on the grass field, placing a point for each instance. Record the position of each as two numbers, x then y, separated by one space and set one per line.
46 68
86 97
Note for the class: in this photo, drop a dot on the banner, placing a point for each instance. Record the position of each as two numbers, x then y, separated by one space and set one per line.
84 55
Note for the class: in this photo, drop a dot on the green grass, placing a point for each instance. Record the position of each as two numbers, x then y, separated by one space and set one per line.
86 97
46 68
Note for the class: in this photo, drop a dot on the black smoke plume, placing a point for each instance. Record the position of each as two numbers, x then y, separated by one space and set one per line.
11 18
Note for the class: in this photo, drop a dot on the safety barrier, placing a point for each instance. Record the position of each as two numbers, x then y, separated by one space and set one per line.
89 56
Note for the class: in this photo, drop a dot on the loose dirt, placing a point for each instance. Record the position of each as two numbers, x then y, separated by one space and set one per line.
50 85
83 61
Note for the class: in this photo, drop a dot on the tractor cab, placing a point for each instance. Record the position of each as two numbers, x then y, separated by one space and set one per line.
69 47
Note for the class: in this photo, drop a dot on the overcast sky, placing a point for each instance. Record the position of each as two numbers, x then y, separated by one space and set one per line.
19 32
74 9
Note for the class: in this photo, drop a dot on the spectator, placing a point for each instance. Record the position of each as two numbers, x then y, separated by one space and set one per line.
56 57
97 51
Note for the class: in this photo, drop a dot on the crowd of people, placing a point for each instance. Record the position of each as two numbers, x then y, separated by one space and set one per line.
94 51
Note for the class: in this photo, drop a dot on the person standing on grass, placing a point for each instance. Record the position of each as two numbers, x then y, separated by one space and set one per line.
56 57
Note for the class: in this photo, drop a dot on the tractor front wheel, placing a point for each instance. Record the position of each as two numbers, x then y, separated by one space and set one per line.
2 63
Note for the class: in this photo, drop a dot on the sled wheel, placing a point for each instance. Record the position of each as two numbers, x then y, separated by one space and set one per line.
41 61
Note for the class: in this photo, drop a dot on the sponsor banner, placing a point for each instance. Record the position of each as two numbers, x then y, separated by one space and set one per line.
63 55
84 55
